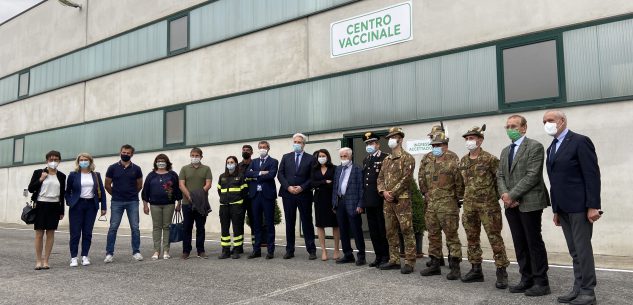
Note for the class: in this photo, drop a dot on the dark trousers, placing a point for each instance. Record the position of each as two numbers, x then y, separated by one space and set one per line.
232 214
81 219
305 213
348 220
263 210
528 245
189 217
378 231
578 231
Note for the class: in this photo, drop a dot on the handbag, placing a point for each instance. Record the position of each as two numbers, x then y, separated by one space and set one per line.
29 213
176 228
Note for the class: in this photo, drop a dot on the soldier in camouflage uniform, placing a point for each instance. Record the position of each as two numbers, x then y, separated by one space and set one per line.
394 183
481 207
442 185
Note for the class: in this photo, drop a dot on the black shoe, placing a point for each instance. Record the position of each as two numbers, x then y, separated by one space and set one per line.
406 269
433 267
474 275
255 255
226 253
537 291
521 287
584 299
389 266
361 261
502 278
312 256
270 256
568 297
345 260
455 272
375 263
289 255
238 250
235 255
441 260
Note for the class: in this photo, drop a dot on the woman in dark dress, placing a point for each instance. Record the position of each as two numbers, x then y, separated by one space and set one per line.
322 176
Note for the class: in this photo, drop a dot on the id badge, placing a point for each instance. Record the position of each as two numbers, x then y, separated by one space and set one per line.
259 187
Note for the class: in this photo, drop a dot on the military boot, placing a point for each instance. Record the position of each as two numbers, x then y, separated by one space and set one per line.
238 250
433 267
502 278
474 275
226 253
455 273
442 262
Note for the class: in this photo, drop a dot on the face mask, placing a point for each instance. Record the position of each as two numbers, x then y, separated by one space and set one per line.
322 160
513 134
471 145
345 162
231 167
161 164
52 164
392 143
84 164
125 158
370 149
195 160
437 151
246 155
263 153
550 128
296 147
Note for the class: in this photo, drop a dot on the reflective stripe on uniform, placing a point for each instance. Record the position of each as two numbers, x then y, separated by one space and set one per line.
238 240
225 241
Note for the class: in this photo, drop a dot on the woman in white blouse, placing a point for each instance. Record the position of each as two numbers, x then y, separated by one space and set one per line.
47 186
84 194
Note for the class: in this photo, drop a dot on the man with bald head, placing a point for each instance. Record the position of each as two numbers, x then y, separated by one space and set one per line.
574 175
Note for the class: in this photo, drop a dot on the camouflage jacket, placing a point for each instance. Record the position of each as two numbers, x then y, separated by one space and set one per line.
396 174
441 181
480 177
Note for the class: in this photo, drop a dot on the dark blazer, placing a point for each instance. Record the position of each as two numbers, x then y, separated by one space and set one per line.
73 189
269 187
524 181
354 191
371 169
35 185
288 175
574 175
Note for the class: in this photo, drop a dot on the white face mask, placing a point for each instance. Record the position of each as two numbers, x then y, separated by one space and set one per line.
52 165
550 128
263 152
471 145
195 160
322 160
231 167
162 164
345 162
392 143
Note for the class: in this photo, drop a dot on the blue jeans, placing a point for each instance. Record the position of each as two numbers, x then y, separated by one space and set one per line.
116 213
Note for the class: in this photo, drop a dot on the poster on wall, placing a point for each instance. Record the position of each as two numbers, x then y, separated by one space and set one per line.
372 30
419 147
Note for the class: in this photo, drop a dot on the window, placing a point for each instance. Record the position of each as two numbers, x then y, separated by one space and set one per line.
23 85
175 127
178 34
18 150
532 72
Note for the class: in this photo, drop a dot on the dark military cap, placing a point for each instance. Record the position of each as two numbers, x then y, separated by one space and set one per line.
476 131
370 136
394 131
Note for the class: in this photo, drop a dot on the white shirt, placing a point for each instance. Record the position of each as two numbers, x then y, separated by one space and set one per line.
518 143
86 186
345 177
49 192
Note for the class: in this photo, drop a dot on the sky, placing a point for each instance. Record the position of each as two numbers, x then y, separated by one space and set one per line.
10 8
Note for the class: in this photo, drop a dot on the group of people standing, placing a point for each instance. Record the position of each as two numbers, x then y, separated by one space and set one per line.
382 189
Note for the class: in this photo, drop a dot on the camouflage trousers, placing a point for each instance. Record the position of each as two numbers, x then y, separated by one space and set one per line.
489 215
447 221
400 216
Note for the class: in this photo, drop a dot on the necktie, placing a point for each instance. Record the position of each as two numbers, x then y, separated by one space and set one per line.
511 156
552 150
261 161
297 162
340 181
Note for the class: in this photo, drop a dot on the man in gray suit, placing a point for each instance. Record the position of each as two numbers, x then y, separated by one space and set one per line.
523 191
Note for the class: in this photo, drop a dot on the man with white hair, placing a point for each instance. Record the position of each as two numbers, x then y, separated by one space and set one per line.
295 172
347 199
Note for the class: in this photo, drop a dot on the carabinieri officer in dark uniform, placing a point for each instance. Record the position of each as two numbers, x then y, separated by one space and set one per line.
372 201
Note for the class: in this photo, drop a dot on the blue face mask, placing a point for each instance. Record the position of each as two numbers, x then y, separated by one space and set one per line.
437 151
370 149
296 147
84 164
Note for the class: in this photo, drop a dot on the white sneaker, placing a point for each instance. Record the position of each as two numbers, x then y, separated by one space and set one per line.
155 256
138 257
85 261
108 259
73 262
166 255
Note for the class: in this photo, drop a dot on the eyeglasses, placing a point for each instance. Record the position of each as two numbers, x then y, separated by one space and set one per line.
102 218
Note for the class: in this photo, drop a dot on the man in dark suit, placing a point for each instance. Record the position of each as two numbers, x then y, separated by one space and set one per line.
295 172
574 175
347 198
522 189
372 201
262 190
